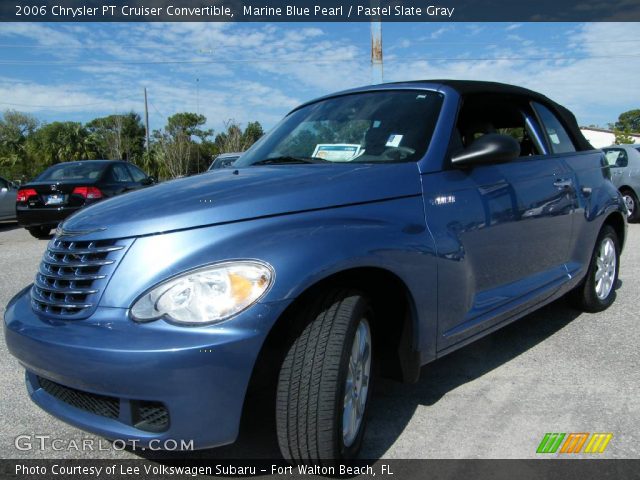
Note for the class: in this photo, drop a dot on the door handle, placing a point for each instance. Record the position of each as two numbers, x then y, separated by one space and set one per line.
563 183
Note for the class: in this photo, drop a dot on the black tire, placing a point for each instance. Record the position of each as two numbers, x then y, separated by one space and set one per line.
311 385
632 198
585 295
40 233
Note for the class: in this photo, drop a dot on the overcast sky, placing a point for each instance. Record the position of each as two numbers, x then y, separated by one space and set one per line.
256 71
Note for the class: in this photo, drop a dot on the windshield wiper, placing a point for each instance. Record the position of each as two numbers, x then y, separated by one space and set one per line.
289 159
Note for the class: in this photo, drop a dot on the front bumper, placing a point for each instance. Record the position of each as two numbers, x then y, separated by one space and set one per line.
200 374
35 217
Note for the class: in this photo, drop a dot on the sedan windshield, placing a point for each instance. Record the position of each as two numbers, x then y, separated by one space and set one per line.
373 127
223 162
72 171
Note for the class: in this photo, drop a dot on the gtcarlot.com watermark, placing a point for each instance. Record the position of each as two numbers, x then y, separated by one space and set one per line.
40 442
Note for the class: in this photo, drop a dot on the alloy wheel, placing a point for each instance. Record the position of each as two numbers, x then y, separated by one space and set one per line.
629 201
357 383
606 263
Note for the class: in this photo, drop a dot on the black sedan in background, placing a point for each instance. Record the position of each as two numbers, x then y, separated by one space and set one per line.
66 187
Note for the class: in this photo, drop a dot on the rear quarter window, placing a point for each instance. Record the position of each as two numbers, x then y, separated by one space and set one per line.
137 174
119 174
559 139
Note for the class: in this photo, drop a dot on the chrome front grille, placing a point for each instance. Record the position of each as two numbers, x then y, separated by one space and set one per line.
73 274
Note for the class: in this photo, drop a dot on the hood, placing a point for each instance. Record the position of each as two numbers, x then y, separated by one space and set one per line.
229 195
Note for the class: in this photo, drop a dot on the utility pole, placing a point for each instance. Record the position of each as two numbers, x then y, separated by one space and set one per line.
198 96
146 118
376 47
198 112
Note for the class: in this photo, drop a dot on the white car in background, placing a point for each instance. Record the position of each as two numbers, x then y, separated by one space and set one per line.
8 192
624 161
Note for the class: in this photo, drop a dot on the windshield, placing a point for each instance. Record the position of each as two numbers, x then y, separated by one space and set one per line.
72 171
382 127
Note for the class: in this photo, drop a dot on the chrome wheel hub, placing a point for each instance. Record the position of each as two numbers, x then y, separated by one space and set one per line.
605 268
357 383
630 203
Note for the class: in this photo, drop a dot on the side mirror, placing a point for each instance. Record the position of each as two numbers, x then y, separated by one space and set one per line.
489 148
150 180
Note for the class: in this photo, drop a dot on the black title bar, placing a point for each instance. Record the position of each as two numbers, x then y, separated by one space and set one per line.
320 11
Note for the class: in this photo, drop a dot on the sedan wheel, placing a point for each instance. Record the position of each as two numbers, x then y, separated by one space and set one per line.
40 233
631 202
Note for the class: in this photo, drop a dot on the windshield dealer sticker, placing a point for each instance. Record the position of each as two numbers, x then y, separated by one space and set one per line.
394 140
336 152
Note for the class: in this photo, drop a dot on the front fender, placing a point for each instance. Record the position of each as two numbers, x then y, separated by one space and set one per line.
303 249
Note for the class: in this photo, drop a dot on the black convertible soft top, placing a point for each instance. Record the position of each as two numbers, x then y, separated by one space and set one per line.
473 87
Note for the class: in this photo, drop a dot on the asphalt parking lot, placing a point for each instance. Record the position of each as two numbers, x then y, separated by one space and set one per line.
556 370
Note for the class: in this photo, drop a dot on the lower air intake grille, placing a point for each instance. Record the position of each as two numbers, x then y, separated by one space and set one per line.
97 404
151 417
145 415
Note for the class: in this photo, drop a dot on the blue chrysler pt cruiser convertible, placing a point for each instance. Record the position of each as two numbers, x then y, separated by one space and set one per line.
370 232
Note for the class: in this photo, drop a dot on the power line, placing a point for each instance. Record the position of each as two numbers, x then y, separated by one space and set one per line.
277 44
156 109
11 104
480 59
27 63
519 40
162 62
149 46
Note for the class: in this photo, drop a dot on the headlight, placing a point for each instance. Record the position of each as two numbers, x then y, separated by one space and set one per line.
206 295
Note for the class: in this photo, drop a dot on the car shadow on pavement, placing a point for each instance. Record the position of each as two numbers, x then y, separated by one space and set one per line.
10 225
257 438
462 366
